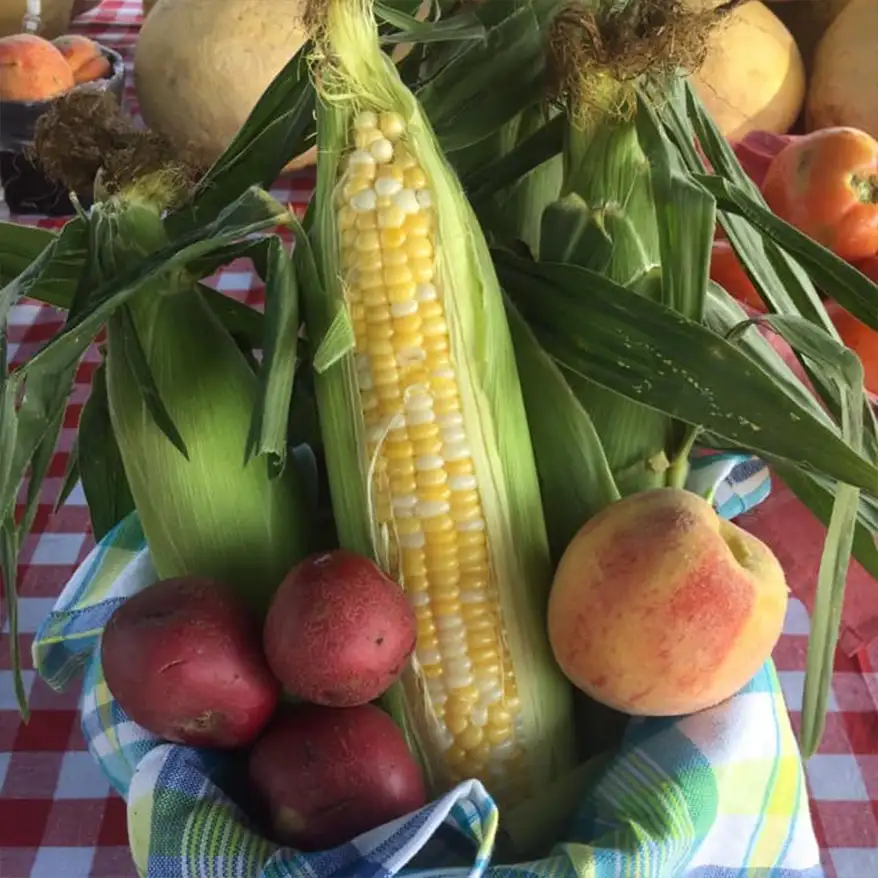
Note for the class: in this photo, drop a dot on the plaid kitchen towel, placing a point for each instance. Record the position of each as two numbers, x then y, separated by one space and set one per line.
717 794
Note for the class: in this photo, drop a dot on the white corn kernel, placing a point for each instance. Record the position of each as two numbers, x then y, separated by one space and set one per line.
456 650
479 717
407 200
412 541
448 623
426 293
433 508
459 681
434 686
361 158
364 200
471 526
382 151
463 483
451 639
428 462
418 402
420 416
451 435
403 309
424 198
422 599
387 187
426 656
490 691
451 419
458 666
405 503
457 451
365 120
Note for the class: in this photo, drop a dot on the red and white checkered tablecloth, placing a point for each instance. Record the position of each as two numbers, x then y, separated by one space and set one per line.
58 816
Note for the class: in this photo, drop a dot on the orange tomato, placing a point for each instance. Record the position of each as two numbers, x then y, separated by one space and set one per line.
727 271
826 184
862 340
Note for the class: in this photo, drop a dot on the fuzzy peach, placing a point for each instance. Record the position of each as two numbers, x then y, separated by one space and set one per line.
84 57
661 608
32 69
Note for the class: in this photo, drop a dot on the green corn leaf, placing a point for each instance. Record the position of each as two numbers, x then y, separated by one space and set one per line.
575 476
648 353
53 273
723 314
21 245
9 548
496 174
849 286
463 26
268 430
818 494
844 368
489 82
125 332
780 281
255 211
71 475
103 477
685 219
572 233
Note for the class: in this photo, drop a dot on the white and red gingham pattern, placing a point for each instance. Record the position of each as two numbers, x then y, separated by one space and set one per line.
58 816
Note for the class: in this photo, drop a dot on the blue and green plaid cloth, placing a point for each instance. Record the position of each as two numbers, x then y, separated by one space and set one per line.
718 794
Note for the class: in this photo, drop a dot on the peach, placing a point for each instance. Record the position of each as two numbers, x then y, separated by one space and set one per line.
32 69
661 608
84 57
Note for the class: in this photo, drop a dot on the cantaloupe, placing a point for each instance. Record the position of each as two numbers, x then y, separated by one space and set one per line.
844 82
201 65
753 77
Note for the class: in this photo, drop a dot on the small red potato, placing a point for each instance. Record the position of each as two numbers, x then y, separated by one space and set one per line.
183 658
325 775
338 631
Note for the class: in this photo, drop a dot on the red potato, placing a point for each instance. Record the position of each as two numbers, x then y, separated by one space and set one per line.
183 658
325 775
338 632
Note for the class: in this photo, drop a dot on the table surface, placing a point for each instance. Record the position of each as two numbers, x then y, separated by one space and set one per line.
58 816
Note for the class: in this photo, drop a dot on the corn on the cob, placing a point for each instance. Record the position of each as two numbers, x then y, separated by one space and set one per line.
212 513
425 483
434 429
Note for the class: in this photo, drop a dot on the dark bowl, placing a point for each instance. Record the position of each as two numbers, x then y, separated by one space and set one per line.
25 187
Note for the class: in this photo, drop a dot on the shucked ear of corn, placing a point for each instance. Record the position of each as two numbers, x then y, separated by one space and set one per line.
429 456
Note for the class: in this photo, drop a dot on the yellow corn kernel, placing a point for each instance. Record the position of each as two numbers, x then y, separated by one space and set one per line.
415 178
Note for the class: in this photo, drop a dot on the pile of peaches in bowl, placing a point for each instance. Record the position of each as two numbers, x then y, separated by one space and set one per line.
33 73
36 70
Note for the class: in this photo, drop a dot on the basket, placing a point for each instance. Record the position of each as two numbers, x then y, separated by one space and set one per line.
718 793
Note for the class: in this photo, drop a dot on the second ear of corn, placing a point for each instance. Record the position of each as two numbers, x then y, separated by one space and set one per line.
430 461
